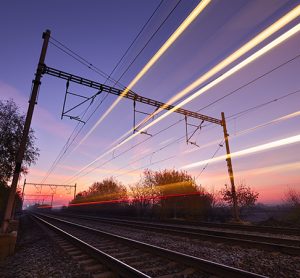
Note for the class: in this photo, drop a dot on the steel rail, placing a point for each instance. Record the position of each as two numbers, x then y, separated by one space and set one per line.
229 226
249 228
197 263
287 246
115 265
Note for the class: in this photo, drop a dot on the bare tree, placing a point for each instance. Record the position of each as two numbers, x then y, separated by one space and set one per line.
107 190
292 201
179 195
292 197
246 197
144 196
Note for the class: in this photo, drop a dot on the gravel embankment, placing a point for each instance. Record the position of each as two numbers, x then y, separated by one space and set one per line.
37 256
272 264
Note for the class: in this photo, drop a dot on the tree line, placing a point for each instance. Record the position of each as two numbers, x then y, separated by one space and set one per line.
163 194
167 193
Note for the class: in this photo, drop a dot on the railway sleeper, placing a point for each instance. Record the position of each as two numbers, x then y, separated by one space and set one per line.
184 273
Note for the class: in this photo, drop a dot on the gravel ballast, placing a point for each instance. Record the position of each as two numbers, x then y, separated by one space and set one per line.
272 264
37 256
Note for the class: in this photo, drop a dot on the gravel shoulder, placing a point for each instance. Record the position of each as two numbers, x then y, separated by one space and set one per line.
272 264
37 256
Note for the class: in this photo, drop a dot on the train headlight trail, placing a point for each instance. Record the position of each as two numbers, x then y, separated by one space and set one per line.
210 85
192 16
283 118
212 143
227 61
259 148
254 172
227 74
246 131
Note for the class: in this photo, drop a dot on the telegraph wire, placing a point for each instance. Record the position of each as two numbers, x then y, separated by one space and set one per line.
175 35
241 87
88 64
152 153
81 61
250 82
125 151
152 36
220 145
147 165
264 104
231 58
231 117
206 165
245 85
135 39
291 32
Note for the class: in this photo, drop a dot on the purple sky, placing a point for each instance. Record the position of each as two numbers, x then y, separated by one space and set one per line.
101 31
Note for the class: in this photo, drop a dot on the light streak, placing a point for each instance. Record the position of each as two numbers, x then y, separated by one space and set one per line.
259 148
246 131
227 74
243 132
241 174
128 200
227 61
192 16
210 85
280 119
276 168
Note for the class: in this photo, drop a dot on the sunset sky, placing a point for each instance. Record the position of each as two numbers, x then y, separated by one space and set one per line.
100 32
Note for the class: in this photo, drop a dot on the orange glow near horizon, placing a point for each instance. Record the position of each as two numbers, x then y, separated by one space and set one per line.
220 179
161 197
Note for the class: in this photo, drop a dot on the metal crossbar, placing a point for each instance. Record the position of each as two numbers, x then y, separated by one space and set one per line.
129 94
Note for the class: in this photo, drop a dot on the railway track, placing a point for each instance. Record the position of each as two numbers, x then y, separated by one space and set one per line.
284 245
227 226
113 255
241 227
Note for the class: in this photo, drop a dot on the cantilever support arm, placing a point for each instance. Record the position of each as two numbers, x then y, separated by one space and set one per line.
129 95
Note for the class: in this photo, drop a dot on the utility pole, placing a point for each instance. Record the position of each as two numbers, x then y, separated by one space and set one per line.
230 169
23 192
21 151
75 191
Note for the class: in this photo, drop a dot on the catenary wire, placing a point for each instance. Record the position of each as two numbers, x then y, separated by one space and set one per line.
220 144
247 84
152 36
231 117
85 62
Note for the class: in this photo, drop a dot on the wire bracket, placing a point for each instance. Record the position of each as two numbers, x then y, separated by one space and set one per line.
189 137
65 112
135 128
